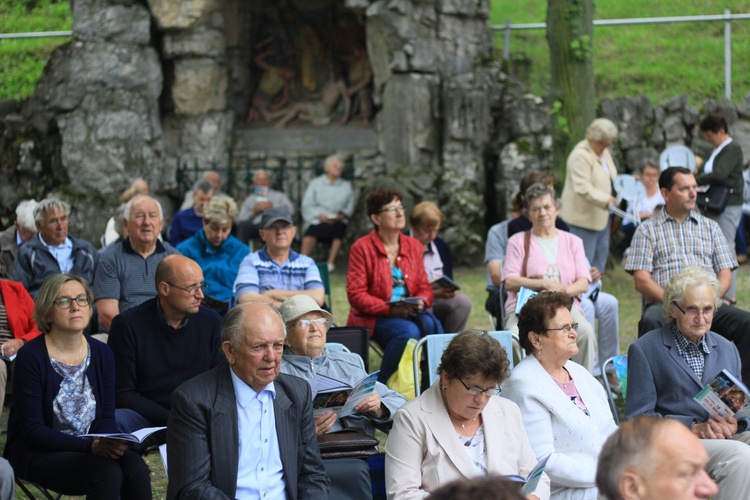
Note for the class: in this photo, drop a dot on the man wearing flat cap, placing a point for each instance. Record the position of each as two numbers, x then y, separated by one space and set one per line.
276 272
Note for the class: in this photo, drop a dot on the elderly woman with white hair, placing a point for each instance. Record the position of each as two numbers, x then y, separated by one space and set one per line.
326 207
214 249
587 193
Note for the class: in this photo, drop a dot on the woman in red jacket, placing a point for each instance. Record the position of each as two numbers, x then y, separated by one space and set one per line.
385 267
16 325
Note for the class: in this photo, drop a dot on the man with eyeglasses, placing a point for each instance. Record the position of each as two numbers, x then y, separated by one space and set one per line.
161 343
674 239
276 272
669 366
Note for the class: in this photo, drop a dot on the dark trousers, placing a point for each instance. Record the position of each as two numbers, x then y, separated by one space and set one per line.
350 478
730 322
75 473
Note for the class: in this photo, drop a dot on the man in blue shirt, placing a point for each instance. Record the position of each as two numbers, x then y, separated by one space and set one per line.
276 272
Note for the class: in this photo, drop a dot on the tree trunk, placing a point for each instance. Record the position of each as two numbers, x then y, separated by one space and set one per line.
570 33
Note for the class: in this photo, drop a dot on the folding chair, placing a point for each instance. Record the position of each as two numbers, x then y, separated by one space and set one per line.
325 277
620 363
26 486
355 338
434 346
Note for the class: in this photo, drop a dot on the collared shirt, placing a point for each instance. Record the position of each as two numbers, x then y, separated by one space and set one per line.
433 264
708 167
259 273
259 470
63 253
664 246
163 318
693 353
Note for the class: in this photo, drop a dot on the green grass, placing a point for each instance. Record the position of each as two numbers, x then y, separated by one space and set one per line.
22 60
658 60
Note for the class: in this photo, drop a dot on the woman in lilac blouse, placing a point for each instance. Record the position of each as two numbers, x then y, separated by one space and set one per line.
68 390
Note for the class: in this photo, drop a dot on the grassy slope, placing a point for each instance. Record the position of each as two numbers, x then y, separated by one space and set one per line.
22 60
659 61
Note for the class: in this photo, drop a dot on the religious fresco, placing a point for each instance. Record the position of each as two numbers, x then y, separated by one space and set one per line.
311 65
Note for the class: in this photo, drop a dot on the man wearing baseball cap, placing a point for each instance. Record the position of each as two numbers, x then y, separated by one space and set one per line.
276 272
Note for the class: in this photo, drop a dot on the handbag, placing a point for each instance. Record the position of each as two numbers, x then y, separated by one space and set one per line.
714 200
348 443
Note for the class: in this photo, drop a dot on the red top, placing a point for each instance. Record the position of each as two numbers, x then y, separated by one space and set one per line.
20 309
369 281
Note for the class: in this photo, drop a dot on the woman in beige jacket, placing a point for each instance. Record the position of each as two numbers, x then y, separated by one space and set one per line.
587 193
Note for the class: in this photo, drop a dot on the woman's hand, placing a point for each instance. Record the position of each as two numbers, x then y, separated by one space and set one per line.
371 406
552 286
324 422
716 428
108 448
404 310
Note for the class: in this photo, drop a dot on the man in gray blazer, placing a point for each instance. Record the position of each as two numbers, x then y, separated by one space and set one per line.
242 429
668 366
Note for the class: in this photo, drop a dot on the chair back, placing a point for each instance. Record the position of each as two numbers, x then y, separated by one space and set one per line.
434 345
620 364
355 338
325 277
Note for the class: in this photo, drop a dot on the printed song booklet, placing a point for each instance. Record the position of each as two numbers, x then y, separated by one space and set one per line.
445 282
333 395
135 437
531 481
725 396
407 300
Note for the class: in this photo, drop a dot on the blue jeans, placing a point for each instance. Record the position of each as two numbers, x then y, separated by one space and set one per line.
392 334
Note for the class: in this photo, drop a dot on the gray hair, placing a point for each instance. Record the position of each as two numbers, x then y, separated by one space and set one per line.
261 171
630 447
537 190
203 185
49 204
136 199
231 328
601 130
45 299
332 157
689 277
221 209
25 214
649 162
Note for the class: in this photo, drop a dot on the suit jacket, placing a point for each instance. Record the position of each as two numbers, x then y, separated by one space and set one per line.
727 171
203 440
662 384
423 453
558 427
588 188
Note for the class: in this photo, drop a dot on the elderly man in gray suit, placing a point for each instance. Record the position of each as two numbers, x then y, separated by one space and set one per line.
242 430
668 366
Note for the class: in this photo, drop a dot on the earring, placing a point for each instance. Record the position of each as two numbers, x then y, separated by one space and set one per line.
443 387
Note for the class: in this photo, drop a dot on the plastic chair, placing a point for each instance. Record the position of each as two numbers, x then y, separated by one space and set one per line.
325 277
620 363
355 338
434 346
677 156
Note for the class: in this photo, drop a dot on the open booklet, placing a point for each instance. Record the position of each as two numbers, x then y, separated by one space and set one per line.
333 395
531 481
725 396
134 437
407 300
445 282
523 296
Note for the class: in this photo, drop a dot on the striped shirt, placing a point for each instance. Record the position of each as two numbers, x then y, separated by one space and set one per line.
259 273
664 246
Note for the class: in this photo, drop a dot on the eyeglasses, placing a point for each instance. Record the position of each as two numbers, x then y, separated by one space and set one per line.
538 210
66 302
307 323
476 391
393 210
192 290
565 329
692 312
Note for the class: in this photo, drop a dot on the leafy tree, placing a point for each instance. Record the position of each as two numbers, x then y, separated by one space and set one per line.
570 32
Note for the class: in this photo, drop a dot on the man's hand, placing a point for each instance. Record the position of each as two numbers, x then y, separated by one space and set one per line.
596 274
444 292
372 406
262 205
324 422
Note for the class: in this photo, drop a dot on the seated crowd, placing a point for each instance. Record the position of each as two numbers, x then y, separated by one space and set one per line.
227 347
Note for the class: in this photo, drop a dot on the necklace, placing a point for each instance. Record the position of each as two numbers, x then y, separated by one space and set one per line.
60 356
563 383
463 425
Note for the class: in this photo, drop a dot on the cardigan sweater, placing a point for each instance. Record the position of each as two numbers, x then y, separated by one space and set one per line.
31 421
369 282
20 309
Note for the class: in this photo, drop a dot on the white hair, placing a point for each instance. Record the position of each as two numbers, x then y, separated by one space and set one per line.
25 214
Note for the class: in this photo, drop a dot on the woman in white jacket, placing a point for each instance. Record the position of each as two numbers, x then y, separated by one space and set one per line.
563 407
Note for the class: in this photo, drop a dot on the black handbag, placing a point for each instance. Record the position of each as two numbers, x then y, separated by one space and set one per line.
348 443
714 200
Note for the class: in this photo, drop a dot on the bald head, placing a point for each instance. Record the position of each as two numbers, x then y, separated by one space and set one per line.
179 282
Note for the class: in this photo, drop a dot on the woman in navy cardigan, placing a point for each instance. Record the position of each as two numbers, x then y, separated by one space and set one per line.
68 389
